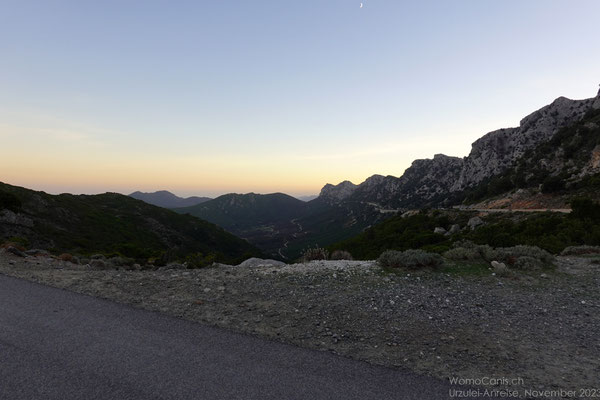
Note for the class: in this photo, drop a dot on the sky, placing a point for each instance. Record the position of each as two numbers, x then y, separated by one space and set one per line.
211 97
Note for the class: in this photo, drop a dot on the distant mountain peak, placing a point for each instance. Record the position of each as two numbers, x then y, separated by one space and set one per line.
166 199
335 193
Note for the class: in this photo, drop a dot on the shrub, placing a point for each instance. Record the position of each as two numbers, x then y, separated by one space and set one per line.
9 201
528 263
507 253
412 259
199 260
66 257
584 208
578 250
553 184
315 253
470 251
16 245
118 261
341 255
525 257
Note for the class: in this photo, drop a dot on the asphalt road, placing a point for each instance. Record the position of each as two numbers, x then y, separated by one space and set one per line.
56 344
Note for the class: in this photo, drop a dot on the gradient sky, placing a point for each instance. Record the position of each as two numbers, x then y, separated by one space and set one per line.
209 97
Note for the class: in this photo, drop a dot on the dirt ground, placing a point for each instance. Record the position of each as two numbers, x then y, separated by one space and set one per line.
542 327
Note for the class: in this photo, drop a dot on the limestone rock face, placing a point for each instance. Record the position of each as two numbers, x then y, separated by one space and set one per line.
498 150
434 181
338 192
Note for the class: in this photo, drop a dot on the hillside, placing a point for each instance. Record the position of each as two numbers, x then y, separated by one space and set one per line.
553 156
266 220
284 226
565 166
111 223
167 199
439 230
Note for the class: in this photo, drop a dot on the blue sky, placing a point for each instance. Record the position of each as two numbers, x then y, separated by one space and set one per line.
212 97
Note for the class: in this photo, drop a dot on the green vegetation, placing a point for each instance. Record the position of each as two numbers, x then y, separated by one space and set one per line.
117 225
9 201
552 232
341 255
278 222
409 259
398 233
580 250
314 253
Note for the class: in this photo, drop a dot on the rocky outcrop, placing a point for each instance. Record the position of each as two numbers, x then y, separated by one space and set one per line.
338 192
9 217
498 150
435 181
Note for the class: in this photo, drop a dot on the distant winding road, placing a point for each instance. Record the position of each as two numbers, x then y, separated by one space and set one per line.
56 344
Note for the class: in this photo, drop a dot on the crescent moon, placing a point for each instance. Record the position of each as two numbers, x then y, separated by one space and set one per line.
361 4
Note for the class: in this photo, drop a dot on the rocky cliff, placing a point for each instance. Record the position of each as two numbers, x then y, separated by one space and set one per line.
436 181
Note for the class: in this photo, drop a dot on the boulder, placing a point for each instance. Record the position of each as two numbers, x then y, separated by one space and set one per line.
475 222
439 230
259 262
454 229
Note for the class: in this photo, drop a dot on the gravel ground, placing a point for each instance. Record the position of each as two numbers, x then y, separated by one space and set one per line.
542 328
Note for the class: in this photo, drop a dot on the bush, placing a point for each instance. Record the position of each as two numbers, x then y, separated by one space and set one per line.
9 201
199 260
469 251
66 257
507 253
315 253
341 255
528 263
118 261
14 244
412 259
553 184
525 257
584 208
579 250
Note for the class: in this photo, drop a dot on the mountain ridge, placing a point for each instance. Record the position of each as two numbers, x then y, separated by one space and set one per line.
166 199
111 223
434 182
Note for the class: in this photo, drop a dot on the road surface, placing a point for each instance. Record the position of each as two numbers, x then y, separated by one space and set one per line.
56 344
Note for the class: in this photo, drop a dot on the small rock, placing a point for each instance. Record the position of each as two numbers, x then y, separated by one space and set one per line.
15 251
439 230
